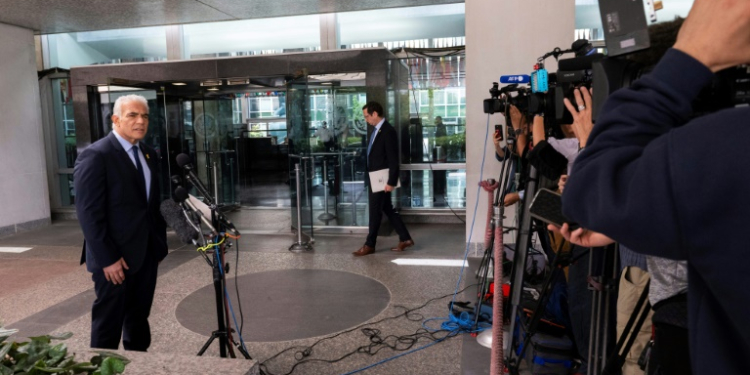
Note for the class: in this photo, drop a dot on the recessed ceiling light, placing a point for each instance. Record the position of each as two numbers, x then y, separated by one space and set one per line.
327 83
238 81
211 82
213 89
179 83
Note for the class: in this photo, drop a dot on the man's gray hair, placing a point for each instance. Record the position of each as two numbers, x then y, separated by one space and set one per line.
117 111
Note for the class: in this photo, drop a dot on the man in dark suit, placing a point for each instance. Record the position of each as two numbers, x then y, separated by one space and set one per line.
117 203
382 153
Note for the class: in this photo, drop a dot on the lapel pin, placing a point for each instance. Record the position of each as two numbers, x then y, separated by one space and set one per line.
147 157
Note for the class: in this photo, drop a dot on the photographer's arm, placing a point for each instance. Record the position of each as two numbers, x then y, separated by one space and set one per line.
518 121
537 130
623 184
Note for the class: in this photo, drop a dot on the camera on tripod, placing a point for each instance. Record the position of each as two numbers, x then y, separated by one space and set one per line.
629 33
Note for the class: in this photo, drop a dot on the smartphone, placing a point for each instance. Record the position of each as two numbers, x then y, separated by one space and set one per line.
547 207
499 131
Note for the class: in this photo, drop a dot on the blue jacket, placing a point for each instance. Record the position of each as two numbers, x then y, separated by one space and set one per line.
666 186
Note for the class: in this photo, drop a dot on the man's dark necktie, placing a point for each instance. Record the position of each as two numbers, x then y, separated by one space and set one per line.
141 175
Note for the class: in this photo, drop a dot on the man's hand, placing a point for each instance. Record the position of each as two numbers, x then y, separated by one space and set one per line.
582 123
511 198
496 138
389 188
114 272
516 118
581 236
717 33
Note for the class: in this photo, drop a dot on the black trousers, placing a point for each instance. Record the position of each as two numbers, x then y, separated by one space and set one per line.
670 354
380 203
123 310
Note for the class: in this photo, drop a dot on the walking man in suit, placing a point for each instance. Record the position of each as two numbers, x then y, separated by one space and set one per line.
117 202
382 153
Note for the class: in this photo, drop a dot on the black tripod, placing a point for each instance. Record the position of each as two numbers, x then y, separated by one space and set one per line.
223 333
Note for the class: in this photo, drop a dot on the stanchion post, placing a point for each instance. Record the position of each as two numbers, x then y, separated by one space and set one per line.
299 246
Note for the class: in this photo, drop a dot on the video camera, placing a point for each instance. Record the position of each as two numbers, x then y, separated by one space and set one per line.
626 32
542 93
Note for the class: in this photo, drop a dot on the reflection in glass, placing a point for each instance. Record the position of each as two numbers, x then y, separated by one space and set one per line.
433 189
67 191
65 127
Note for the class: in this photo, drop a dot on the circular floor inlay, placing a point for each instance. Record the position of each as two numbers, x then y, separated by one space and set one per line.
289 304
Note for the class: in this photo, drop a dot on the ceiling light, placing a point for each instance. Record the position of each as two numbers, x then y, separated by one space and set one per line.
238 81
327 83
179 83
213 89
211 82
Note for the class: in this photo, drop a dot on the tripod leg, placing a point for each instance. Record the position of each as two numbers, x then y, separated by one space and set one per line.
214 335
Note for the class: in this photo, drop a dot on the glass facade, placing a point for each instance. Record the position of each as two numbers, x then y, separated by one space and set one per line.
433 131
65 139
252 37
106 47
243 136
432 26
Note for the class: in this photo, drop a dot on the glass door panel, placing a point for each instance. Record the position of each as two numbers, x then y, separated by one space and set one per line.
298 135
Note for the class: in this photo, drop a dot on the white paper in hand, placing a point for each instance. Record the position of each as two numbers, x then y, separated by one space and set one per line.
378 180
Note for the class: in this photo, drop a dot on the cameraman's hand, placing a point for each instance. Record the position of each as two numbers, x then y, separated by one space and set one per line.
582 123
581 236
516 118
511 198
717 33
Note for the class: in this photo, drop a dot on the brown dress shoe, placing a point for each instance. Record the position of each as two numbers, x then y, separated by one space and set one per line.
364 250
403 245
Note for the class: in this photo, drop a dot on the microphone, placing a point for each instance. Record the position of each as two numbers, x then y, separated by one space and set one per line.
175 217
203 208
183 160
516 78
181 195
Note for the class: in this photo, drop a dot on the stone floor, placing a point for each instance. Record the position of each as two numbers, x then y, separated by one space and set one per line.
290 302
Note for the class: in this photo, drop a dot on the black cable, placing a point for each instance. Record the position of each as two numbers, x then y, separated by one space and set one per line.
374 335
236 286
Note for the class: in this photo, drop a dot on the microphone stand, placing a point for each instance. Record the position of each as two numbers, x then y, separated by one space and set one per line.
223 331
220 225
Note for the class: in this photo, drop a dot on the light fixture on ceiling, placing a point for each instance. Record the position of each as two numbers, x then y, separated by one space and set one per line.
327 83
179 83
213 89
211 82
238 81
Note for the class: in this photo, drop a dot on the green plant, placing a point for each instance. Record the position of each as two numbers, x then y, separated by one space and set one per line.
39 356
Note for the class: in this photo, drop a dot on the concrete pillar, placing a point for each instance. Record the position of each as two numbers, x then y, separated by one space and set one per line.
24 194
176 49
503 37
329 32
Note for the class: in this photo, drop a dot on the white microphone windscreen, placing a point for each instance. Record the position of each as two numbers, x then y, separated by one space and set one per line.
202 207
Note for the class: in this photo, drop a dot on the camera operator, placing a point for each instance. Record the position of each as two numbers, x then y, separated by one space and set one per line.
502 153
682 200
554 158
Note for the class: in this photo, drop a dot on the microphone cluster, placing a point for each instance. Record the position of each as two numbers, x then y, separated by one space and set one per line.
185 214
